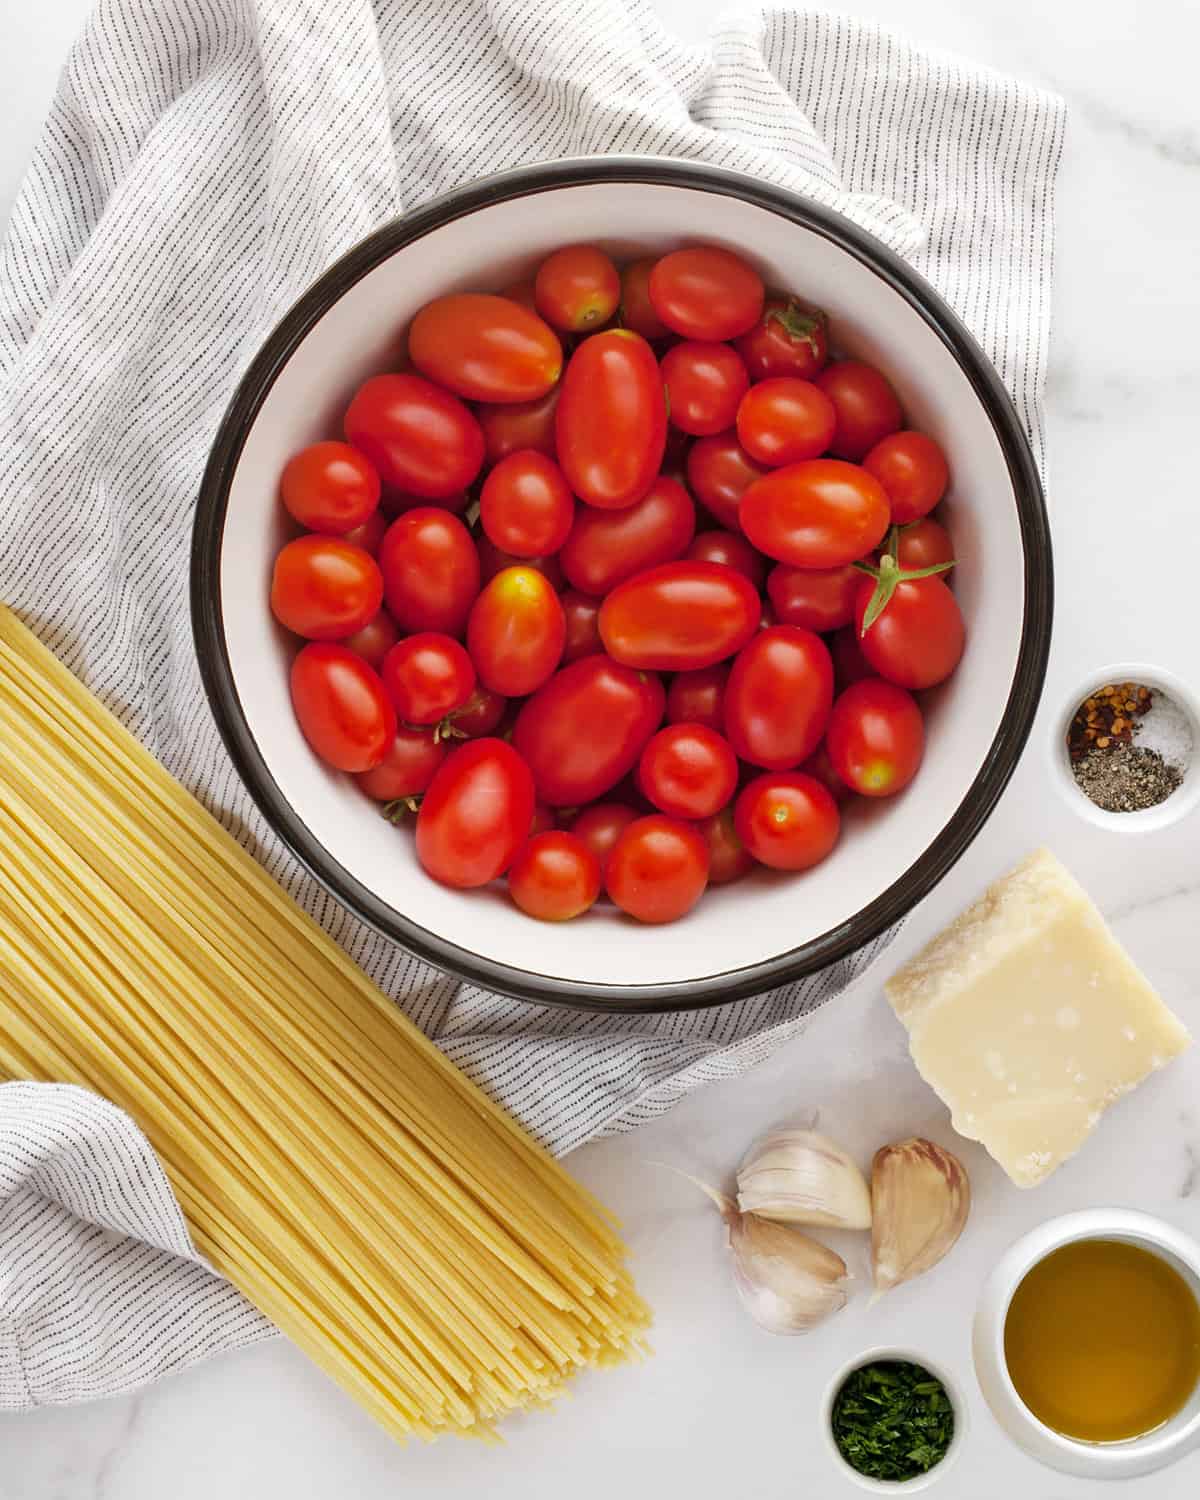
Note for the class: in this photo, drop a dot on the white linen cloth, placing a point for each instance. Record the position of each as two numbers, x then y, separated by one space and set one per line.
203 162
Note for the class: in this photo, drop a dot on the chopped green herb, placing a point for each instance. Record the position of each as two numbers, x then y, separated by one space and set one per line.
892 1420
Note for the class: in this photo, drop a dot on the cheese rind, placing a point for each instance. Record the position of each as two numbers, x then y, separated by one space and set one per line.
1028 1019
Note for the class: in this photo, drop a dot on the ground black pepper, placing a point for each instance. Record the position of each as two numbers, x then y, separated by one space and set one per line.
1125 777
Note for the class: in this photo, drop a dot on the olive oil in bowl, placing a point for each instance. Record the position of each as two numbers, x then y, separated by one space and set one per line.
1102 1340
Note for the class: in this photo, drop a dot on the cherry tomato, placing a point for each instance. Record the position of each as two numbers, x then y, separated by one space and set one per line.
679 616
611 423
791 338
820 768
516 632
324 589
522 292
421 439
732 550
430 571
543 820
876 738
699 697
427 676
485 348
817 514
606 547
479 715
329 487
783 420
918 639
582 614
476 814
705 382
706 293
375 639
849 664
368 536
866 407
407 768
600 825
913 471
786 820
688 771
728 857
343 711
554 877
719 471
924 544
658 869
577 289
525 506
520 424
817 598
778 697
637 311
493 561
584 729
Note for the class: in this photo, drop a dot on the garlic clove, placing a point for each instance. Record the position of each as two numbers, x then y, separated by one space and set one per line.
802 1177
920 1199
787 1281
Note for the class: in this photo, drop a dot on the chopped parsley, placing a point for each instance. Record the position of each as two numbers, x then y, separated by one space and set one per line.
892 1420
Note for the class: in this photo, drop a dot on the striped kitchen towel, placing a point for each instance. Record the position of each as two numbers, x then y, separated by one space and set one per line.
203 162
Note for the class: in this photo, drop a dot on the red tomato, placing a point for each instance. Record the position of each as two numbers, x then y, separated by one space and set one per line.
918 639
913 472
329 487
658 869
778 697
732 550
817 598
611 423
706 293
485 348
493 561
427 676
375 639
516 632
520 424
554 877
368 536
820 768
637 311
787 820
688 771
876 738
817 514
679 616
420 438
924 544
522 292
606 547
699 697
584 729
783 420
600 825
728 857
866 406
479 715
577 289
791 338
430 571
341 706
705 382
525 506
476 814
407 768
582 614
325 589
719 471
849 664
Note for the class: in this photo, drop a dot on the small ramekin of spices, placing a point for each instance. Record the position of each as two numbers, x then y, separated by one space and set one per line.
894 1420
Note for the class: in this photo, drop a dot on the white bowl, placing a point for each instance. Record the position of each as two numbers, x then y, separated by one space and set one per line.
1088 1460
763 931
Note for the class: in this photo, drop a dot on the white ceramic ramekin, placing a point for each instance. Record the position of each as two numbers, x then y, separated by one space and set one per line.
1087 1460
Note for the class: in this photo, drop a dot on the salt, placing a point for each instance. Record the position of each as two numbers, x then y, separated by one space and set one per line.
1167 728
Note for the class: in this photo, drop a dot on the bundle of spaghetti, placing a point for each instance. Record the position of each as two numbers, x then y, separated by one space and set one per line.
330 1161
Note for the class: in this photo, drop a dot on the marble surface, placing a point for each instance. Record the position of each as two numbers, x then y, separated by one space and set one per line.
723 1408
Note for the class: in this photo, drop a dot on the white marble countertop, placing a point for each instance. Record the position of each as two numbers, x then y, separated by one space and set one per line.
722 1408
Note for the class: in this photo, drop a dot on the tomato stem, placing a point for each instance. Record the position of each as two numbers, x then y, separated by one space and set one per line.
396 811
800 324
888 577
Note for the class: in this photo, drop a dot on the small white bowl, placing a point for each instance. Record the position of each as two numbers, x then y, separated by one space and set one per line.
1121 1460
904 1356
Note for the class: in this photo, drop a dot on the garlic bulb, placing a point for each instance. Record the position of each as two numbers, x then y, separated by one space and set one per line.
801 1177
920 1198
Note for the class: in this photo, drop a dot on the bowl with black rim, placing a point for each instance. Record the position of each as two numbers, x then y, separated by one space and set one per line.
768 929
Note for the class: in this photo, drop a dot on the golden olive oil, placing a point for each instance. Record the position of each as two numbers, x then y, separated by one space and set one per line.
1102 1341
